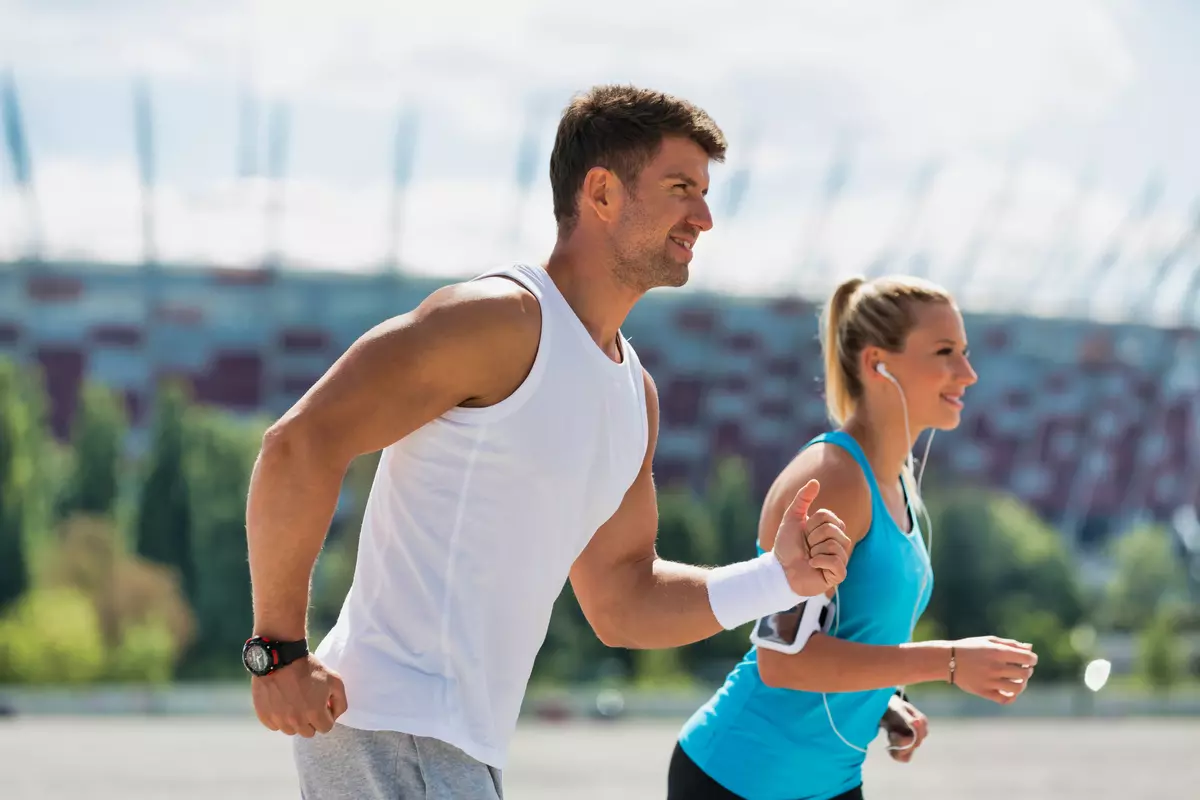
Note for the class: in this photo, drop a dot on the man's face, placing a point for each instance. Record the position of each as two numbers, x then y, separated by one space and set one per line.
662 217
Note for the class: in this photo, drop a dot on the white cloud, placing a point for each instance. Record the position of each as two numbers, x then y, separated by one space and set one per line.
787 80
118 37
966 72
925 72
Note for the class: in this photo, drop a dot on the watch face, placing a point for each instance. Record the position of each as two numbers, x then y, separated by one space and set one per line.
256 658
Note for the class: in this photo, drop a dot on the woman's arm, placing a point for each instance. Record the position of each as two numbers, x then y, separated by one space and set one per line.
828 664
987 666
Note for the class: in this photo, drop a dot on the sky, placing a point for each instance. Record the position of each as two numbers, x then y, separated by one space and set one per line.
1013 142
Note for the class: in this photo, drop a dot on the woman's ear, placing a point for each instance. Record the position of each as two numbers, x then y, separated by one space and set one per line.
869 362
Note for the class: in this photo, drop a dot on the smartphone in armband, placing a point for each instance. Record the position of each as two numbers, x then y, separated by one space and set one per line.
789 631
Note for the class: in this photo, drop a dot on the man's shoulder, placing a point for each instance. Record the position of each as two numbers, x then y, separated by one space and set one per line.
492 306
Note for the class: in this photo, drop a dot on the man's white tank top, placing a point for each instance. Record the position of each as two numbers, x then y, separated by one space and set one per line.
471 527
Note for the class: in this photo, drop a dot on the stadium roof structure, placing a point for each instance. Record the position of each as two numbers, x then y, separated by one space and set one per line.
1162 295
1135 273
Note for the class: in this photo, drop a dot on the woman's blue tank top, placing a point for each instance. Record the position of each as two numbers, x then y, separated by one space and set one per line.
764 743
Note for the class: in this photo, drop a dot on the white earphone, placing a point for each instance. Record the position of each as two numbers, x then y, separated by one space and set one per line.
882 369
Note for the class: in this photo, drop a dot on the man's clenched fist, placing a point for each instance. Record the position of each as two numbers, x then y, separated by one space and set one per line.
813 548
302 698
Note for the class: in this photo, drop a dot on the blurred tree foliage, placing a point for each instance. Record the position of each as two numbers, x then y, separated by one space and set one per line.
999 570
1149 575
97 441
134 563
164 517
220 458
1161 658
26 486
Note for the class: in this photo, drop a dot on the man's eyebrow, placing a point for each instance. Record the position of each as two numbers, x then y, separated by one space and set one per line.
688 179
680 176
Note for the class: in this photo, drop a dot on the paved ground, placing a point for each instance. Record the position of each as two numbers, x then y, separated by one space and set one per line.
229 759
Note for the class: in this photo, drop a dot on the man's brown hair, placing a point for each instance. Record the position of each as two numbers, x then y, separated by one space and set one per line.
620 128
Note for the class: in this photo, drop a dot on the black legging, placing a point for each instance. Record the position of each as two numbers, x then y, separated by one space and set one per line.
686 781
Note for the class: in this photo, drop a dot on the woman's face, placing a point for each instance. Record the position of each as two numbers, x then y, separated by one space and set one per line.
933 368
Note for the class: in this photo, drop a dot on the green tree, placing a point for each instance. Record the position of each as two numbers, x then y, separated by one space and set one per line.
51 636
1059 657
164 519
571 652
660 669
1148 574
47 462
97 440
146 654
1162 657
735 511
999 570
688 532
334 571
685 529
20 437
220 458
138 606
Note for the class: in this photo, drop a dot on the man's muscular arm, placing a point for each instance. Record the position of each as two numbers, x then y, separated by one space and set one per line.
471 344
634 599
468 344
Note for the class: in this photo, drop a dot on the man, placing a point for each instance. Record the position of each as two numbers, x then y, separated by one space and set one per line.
518 431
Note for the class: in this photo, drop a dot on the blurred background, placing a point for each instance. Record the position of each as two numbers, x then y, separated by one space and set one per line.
203 204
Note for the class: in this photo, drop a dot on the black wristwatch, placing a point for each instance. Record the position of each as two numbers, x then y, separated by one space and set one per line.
261 656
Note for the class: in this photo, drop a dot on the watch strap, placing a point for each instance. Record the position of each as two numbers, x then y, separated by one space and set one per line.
287 652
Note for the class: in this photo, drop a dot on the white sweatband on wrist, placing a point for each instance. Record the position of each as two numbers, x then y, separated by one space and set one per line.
749 590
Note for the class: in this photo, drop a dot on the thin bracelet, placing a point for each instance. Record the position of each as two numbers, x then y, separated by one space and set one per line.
953 664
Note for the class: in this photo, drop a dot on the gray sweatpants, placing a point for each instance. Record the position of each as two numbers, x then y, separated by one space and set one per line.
352 764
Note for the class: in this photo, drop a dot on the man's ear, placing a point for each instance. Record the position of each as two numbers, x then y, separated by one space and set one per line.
602 193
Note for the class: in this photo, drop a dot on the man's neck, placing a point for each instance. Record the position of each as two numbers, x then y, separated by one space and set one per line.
586 282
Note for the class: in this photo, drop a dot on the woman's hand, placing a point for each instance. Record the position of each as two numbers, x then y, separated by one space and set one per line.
906 728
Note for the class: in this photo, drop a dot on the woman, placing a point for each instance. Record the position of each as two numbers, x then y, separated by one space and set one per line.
791 726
